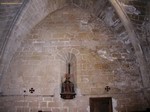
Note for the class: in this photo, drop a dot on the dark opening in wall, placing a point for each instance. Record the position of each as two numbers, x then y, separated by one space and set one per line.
103 104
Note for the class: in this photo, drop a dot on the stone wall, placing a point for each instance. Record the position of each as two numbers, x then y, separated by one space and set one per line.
121 103
101 60
33 13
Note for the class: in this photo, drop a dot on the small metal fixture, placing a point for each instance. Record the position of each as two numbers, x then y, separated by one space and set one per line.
107 88
24 91
32 90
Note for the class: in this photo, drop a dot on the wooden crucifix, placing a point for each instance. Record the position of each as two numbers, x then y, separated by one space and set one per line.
69 65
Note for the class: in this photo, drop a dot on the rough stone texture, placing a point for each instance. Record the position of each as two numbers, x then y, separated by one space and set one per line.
137 11
136 42
34 12
8 15
101 60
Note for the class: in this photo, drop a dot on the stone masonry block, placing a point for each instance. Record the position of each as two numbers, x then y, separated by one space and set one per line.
49 99
22 109
33 104
54 104
43 104
21 104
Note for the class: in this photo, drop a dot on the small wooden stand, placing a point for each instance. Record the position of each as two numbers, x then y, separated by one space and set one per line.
67 89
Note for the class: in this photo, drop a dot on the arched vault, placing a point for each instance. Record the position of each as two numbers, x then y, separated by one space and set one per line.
124 17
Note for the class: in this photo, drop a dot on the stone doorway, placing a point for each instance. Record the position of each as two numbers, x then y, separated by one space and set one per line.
101 104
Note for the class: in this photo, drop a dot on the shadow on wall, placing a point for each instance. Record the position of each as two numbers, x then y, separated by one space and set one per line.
147 110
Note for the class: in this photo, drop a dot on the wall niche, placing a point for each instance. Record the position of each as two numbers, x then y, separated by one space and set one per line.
101 104
68 72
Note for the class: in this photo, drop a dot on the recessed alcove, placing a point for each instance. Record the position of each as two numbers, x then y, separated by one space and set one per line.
68 74
101 104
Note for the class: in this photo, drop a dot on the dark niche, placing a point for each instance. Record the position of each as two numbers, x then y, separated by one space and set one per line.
67 87
101 104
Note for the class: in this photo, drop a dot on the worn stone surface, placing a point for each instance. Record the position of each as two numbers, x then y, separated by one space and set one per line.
101 60
33 12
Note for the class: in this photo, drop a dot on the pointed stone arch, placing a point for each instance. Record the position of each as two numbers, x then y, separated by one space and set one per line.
66 57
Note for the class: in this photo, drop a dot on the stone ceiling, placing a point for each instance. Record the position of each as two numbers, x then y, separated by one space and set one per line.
18 17
10 11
